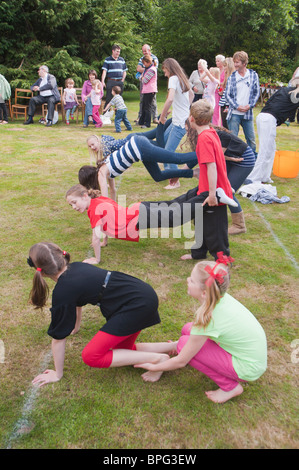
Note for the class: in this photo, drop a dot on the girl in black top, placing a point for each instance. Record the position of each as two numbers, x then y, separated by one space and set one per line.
127 303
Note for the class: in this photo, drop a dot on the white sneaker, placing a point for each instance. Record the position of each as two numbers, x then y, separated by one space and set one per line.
224 198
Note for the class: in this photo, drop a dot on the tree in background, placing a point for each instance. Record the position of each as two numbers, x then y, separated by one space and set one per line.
192 29
71 36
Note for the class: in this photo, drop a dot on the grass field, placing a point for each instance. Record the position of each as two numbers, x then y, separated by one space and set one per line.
115 409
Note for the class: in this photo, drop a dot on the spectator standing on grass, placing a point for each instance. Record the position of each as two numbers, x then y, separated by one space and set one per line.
196 79
242 93
120 109
219 60
5 93
85 96
96 95
115 70
229 68
281 106
149 90
146 50
179 97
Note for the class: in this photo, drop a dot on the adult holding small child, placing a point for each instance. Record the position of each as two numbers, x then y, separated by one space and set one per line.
149 90
146 50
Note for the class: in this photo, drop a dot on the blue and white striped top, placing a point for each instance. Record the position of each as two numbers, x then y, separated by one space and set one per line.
120 160
115 67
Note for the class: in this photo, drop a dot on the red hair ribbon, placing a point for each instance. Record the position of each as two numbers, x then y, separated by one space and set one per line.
224 259
39 269
214 276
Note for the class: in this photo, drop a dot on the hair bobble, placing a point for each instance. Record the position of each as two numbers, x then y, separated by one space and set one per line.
64 253
30 262
214 276
39 269
224 259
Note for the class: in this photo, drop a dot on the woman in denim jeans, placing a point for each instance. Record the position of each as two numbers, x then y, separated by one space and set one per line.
180 97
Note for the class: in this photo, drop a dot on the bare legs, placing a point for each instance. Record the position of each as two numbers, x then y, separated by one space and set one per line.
145 352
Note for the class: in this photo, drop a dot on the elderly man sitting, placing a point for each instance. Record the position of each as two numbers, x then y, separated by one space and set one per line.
46 86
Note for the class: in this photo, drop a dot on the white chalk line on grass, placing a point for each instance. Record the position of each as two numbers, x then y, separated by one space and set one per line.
276 238
24 425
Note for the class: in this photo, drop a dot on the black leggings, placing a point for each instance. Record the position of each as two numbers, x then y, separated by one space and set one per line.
212 236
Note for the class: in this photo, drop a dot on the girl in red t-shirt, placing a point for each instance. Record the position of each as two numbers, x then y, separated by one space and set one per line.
106 217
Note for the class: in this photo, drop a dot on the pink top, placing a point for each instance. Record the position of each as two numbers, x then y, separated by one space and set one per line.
149 80
86 89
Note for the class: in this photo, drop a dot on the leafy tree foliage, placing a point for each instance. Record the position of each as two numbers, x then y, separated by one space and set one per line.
72 36
195 29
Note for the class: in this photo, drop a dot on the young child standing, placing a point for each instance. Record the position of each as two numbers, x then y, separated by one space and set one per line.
70 100
96 95
225 341
212 175
120 109
212 81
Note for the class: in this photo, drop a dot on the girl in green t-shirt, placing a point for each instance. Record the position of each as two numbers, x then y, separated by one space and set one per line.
225 341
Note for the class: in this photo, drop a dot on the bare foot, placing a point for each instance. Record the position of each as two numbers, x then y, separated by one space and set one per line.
220 396
154 376
173 184
186 257
196 173
104 242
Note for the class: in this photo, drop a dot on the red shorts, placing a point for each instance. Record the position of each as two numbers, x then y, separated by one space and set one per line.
99 351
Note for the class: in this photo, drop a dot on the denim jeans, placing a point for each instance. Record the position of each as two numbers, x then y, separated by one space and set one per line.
248 128
88 111
151 155
173 136
68 112
236 175
121 115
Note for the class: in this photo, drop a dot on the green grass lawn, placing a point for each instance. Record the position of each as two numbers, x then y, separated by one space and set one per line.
115 409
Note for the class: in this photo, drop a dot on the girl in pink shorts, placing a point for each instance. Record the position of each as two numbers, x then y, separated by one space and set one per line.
225 341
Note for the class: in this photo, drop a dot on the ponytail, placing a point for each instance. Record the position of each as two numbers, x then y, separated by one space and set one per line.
40 291
48 260
88 176
79 190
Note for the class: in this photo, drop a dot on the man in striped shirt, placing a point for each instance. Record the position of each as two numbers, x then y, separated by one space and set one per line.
242 92
115 69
